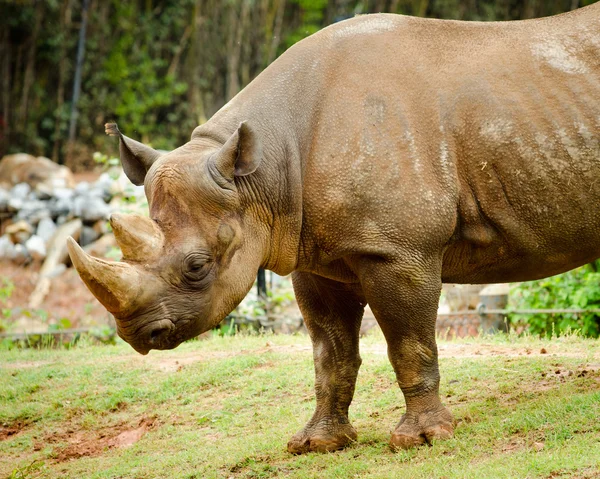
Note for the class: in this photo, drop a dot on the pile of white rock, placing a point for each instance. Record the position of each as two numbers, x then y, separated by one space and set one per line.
31 211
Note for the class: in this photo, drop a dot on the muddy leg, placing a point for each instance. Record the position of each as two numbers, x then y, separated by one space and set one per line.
404 298
332 314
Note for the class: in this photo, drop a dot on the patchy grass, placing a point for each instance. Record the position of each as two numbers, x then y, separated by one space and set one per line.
225 408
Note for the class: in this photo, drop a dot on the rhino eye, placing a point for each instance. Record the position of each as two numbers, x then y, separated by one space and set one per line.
196 266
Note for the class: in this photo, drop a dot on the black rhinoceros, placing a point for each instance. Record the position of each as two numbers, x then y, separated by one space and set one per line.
373 160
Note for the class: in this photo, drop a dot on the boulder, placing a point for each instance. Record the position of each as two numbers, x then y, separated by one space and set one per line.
21 255
90 208
36 247
88 235
20 191
33 211
7 248
19 232
23 168
61 207
45 229
4 199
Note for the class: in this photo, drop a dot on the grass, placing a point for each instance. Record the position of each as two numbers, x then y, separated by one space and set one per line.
225 408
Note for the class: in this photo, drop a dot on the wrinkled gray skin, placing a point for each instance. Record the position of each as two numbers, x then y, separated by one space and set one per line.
378 158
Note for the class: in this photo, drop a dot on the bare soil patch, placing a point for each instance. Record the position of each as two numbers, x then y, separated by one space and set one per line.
68 297
8 431
93 443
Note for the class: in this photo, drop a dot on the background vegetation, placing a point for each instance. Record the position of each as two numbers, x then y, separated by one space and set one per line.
161 67
576 289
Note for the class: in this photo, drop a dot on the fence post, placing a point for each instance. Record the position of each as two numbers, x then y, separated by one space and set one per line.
493 296
261 285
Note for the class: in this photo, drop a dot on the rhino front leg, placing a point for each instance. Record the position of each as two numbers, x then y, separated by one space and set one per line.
332 314
404 298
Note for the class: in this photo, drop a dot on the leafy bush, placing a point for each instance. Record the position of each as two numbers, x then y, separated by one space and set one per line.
6 289
576 289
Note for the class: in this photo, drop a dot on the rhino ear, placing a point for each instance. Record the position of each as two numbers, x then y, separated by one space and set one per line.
136 157
240 155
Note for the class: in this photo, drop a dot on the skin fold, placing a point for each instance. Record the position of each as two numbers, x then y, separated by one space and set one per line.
374 160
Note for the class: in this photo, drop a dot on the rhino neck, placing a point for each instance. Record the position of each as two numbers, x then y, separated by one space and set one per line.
281 104
270 197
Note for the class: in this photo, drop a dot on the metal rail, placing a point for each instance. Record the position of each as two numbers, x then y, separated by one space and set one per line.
268 320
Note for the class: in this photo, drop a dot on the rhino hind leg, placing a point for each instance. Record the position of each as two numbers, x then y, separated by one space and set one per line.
332 314
404 297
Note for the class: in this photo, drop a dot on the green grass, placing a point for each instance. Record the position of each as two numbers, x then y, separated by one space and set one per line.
225 408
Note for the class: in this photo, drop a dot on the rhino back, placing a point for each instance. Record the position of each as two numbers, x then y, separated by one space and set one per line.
478 138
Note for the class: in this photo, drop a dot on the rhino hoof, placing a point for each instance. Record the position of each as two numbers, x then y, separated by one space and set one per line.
321 441
423 430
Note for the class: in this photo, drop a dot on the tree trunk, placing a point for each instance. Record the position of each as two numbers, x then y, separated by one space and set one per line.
78 68
28 78
233 58
276 40
65 25
6 93
236 35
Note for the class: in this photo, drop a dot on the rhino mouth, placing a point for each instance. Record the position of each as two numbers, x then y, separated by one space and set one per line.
159 334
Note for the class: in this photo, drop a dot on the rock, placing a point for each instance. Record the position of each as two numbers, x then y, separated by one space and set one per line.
7 248
460 297
46 229
14 205
21 255
61 207
63 193
82 188
23 168
36 247
90 208
33 211
88 235
20 191
19 232
108 184
10 167
4 199
43 192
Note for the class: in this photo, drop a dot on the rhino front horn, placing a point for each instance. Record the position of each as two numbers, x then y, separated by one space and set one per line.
138 236
115 285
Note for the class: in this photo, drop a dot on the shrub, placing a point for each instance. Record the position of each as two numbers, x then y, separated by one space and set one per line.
576 289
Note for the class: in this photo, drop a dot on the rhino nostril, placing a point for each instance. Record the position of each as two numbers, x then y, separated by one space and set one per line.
157 334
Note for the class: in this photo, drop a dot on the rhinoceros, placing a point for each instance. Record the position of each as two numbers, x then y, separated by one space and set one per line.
373 161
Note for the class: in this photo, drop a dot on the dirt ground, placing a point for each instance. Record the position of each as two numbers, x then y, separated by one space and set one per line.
68 297
76 443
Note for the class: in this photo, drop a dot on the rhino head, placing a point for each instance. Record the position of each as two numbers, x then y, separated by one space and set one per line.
194 259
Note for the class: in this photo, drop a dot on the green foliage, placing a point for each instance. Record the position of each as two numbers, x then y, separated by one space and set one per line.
312 13
160 67
576 289
6 289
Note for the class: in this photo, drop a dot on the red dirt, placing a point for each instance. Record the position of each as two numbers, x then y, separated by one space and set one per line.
93 443
68 296
10 431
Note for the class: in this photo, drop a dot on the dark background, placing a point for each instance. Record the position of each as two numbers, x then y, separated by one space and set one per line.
161 67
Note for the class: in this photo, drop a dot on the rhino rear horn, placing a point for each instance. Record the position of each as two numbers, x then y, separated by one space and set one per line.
240 155
138 236
136 157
